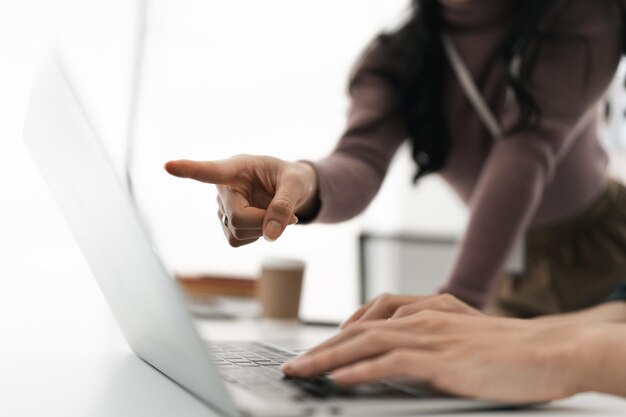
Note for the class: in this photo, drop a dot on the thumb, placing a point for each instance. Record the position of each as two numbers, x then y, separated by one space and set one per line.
212 172
280 213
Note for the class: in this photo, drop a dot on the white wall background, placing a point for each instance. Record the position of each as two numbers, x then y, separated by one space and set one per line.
44 280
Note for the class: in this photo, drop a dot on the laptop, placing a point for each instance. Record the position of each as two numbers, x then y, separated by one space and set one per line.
235 379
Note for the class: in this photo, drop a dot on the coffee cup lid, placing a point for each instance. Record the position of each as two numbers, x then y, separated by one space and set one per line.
283 264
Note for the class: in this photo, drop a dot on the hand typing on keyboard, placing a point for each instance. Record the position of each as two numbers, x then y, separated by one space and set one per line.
256 366
463 354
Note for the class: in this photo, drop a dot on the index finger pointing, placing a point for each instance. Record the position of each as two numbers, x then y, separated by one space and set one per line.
212 172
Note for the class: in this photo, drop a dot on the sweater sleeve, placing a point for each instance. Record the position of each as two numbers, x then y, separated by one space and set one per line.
569 77
351 176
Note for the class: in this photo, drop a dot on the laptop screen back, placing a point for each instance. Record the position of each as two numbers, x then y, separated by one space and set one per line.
144 298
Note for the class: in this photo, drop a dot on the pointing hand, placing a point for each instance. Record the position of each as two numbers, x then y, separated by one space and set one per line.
257 195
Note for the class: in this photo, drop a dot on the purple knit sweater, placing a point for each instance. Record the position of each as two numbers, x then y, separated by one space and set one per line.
531 178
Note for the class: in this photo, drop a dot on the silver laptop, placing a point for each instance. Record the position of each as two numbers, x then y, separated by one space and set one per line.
236 379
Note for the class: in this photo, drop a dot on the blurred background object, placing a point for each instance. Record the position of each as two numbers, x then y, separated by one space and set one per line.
207 286
404 263
221 296
280 288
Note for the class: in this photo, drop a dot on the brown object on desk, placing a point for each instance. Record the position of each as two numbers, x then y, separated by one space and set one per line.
280 287
203 286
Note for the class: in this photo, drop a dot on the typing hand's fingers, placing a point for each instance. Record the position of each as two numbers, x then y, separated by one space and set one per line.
386 305
401 362
424 320
373 309
354 331
444 303
212 172
357 314
371 343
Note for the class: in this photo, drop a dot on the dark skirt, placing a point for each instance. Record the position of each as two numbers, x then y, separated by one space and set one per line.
570 266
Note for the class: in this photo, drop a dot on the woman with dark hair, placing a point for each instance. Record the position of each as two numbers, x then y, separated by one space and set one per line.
498 97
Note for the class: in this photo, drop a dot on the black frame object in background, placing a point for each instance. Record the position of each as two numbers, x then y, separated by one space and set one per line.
417 244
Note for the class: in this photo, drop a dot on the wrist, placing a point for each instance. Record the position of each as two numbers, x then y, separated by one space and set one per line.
308 207
585 359
602 350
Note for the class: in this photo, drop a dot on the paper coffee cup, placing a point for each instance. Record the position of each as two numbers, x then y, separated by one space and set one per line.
280 286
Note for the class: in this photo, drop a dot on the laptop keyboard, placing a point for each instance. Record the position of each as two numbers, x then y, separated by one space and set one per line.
256 367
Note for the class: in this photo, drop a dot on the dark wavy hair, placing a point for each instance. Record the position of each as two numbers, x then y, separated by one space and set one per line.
418 44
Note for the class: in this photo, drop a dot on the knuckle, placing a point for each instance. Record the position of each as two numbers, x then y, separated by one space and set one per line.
293 176
374 337
448 299
363 371
447 296
236 219
377 298
386 299
438 304
325 359
424 317
237 233
282 207
435 319
427 314
357 328
289 173
404 310
235 243
385 296
246 234
399 358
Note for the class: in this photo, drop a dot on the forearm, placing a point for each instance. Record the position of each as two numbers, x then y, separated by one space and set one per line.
502 206
344 185
350 177
347 185
602 358
614 312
